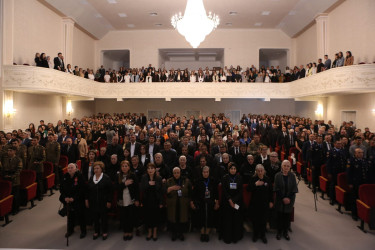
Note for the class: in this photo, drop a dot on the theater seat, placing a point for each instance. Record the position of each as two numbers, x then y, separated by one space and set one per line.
323 180
309 176
282 156
28 186
299 167
365 202
49 176
6 200
79 164
341 190
63 163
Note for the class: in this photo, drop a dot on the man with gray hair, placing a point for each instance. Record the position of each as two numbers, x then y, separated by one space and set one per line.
185 169
274 167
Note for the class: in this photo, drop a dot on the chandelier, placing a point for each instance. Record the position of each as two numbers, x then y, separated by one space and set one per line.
195 25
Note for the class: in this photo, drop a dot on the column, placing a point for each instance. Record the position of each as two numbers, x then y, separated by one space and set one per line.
322 35
68 29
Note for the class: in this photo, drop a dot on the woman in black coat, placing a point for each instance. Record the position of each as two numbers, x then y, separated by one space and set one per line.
152 200
248 169
231 205
72 196
261 200
128 198
286 188
99 199
205 201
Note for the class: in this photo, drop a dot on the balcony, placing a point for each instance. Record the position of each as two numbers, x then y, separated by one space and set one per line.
348 80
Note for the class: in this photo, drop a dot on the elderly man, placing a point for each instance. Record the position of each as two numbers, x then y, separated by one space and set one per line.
273 167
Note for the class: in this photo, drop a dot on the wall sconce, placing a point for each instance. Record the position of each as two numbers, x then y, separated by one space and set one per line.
8 108
69 108
319 110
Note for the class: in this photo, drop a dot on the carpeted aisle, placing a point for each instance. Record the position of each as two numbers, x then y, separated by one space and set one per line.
42 228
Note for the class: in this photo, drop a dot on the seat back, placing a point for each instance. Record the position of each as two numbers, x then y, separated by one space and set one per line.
246 196
79 164
5 189
367 194
323 171
342 181
48 168
27 177
63 162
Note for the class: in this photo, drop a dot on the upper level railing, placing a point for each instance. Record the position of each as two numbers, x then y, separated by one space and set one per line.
350 79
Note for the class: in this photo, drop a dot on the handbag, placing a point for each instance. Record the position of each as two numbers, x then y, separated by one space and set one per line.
62 210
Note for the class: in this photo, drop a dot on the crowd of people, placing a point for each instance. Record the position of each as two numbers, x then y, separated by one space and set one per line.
226 74
181 171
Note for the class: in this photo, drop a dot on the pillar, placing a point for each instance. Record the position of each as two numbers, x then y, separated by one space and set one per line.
68 30
322 35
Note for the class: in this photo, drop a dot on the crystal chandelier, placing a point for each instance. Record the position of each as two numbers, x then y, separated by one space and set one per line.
195 25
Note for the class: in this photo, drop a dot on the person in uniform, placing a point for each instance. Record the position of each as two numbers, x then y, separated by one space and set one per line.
72 191
336 164
317 159
178 201
261 201
358 174
231 205
37 155
21 151
53 156
11 170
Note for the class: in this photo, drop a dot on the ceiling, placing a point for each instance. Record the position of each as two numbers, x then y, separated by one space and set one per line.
101 16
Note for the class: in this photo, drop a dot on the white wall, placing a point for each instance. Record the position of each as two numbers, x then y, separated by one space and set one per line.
241 47
35 107
352 27
36 29
83 50
363 104
306 47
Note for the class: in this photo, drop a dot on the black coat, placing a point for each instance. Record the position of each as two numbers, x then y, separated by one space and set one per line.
73 187
99 194
72 153
133 188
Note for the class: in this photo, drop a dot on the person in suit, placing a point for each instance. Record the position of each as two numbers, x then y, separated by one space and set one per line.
88 166
152 148
327 62
133 146
115 148
302 71
144 157
169 155
59 62
70 150
327 146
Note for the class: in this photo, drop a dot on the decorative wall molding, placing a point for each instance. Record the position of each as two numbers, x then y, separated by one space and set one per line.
352 79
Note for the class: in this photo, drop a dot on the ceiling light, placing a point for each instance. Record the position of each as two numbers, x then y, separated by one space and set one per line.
131 25
122 15
112 1
292 12
158 24
98 15
233 13
153 14
266 13
195 25
258 24
228 24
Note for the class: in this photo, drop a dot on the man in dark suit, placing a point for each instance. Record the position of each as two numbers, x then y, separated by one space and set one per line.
302 72
59 62
115 149
185 143
152 148
62 138
179 131
235 149
143 119
133 146
327 145
70 150
327 63
169 155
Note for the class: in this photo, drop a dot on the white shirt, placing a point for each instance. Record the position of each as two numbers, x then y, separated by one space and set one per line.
264 158
107 78
148 78
91 76
132 149
127 78
193 78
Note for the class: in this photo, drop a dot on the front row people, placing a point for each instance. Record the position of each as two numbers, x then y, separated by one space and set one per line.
201 198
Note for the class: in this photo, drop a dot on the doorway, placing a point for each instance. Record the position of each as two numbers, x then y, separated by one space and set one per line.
114 59
274 57
347 116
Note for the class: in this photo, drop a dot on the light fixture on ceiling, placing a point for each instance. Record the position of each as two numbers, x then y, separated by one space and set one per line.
112 1
158 24
131 25
153 14
258 24
195 25
233 13
122 15
97 15
228 24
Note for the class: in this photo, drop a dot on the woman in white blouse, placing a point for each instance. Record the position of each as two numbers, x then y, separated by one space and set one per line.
69 69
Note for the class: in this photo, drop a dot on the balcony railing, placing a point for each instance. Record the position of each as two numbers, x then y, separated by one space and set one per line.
351 79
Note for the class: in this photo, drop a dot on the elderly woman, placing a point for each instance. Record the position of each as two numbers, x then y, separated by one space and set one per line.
99 198
72 191
178 200
286 188
231 204
248 169
205 201
261 200
151 187
128 198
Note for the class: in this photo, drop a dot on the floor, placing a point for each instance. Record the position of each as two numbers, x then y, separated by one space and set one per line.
42 228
